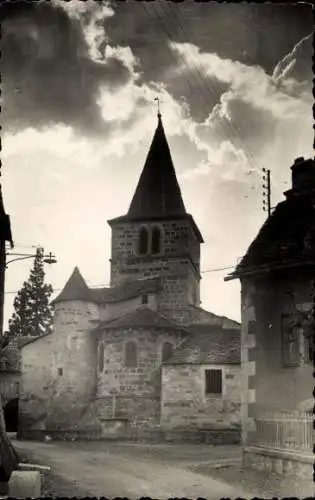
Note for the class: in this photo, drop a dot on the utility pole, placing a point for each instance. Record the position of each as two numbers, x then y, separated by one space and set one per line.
266 191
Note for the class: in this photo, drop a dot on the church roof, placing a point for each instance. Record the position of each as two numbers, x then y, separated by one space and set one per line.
195 315
141 317
74 289
157 192
125 291
77 289
158 195
208 345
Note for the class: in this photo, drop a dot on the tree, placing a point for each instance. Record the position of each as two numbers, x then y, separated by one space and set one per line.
32 312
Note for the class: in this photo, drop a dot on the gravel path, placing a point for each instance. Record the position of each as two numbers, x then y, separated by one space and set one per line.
111 470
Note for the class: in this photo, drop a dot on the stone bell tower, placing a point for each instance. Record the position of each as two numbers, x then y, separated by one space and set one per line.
157 237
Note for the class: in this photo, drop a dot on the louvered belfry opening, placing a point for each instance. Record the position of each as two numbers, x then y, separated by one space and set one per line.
156 241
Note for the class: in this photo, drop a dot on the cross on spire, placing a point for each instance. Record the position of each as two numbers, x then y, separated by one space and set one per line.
158 106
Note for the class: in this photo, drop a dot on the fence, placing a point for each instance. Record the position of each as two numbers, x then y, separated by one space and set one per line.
286 431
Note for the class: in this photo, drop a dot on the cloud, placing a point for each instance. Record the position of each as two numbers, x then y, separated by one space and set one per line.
50 75
250 125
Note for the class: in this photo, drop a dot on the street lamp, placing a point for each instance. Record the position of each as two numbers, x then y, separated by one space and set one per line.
48 259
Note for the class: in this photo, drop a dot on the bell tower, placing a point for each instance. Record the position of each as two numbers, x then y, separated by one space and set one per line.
157 237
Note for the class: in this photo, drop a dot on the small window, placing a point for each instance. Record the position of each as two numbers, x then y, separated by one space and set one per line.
290 341
145 299
143 241
60 372
101 357
156 241
131 354
213 379
167 351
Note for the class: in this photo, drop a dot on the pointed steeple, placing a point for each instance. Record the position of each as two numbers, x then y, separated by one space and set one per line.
158 193
74 289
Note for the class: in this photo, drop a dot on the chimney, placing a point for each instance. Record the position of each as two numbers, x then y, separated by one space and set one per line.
303 175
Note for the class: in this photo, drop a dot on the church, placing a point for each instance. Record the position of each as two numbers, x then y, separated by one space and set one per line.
141 358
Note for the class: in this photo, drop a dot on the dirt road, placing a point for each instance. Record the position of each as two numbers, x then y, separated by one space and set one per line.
134 471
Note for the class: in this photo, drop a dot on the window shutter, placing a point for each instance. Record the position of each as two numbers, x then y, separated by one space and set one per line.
213 381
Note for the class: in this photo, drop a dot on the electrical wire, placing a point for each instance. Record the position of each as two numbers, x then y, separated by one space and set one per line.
205 85
212 270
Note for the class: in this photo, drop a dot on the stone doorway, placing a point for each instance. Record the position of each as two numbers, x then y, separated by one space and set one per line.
11 415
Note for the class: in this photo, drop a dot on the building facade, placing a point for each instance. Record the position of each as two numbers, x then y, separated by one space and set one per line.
111 366
277 279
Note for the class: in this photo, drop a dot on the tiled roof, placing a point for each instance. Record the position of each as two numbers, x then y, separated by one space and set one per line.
74 289
208 345
128 290
286 238
141 317
28 340
189 315
77 289
10 359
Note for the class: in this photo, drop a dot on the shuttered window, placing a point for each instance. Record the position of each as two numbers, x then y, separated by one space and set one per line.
213 379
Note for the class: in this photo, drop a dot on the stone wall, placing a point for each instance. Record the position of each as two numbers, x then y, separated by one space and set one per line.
9 386
59 370
279 462
179 258
268 385
185 404
132 393
115 309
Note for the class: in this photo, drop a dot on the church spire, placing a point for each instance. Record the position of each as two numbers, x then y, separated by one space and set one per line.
158 193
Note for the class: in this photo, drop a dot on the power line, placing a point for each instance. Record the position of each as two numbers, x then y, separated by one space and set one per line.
212 270
234 127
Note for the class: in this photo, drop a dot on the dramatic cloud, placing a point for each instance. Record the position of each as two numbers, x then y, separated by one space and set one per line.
49 76
253 116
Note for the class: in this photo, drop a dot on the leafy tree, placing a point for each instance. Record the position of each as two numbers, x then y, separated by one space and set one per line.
32 312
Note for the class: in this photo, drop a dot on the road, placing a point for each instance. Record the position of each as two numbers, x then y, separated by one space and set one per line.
134 470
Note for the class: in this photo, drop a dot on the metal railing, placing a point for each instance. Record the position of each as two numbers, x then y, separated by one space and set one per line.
286 431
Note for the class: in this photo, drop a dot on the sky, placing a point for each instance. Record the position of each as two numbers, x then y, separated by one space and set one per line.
79 81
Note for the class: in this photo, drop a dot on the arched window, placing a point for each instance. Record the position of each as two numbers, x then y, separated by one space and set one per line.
156 240
131 354
143 241
101 357
167 351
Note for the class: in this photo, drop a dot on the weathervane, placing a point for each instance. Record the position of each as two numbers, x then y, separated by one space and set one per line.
158 106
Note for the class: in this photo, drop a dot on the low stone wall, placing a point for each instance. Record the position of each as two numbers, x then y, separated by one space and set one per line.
207 436
278 461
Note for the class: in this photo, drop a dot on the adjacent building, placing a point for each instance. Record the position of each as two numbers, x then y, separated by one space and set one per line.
141 357
277 299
